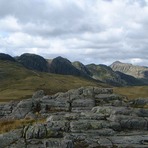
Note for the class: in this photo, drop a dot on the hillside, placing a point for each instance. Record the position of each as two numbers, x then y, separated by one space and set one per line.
60 65
130 80
17 82
7 57
21 77
133 92
82 68
106 74
33 62
139 72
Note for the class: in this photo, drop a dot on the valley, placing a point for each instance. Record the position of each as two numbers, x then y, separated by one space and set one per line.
73 105
23 75
19 83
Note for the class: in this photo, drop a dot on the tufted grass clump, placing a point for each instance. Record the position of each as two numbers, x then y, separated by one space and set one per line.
8 125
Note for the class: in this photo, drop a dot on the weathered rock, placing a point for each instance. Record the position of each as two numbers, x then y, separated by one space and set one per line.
105 142
80 105
134 123
21 143
141 102
108 99
35 143
103 90
58 143
130 141
22 109
38 94
79 126
9 138
73 120
37 131
141 112
72 116
31 115
6 109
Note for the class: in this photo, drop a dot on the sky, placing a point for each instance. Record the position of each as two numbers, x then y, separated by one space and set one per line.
89 31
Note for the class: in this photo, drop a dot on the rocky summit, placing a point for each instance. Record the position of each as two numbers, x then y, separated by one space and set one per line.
87 117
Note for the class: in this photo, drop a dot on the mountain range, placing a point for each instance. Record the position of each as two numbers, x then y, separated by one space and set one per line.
140 72
117 74
96 110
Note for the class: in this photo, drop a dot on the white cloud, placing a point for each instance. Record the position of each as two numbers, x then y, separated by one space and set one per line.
9 24
136 60
99 31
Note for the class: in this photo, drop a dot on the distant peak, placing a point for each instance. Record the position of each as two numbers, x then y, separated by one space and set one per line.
61 59
120 63
117 62
77 63
28 54
6 57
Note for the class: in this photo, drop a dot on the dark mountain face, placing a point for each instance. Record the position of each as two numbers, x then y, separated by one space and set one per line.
105 74
130 80
94 72
63 66
34 62
81 67
6 57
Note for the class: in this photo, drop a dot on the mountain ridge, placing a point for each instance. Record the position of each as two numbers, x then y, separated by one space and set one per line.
140 72
116 74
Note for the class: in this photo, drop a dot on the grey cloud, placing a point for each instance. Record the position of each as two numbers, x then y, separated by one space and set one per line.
90 31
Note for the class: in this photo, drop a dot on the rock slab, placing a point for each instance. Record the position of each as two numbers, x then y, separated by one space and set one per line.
88 117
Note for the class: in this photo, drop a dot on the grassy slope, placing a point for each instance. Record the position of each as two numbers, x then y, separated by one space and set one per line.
133 92
16 82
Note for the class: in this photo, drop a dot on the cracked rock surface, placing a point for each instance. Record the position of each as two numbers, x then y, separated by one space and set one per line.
87 117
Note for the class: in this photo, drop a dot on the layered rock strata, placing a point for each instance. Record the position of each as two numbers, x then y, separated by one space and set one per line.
88 117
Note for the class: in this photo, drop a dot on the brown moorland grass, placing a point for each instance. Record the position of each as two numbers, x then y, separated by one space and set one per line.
17 82
133 92
8 125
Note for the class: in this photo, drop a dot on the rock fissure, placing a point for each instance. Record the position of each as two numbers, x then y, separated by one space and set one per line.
85 117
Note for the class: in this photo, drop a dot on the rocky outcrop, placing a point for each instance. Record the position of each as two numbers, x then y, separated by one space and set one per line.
140 72
33 62
88 117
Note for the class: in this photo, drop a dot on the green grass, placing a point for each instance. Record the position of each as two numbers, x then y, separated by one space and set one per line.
17 82
133 92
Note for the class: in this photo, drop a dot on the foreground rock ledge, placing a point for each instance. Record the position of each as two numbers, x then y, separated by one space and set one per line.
87 117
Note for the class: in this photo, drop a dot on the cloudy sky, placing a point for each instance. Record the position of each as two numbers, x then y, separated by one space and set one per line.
90 31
